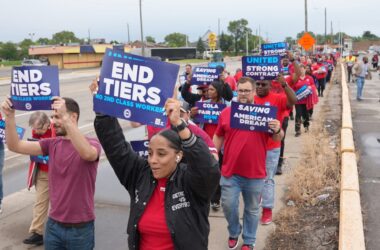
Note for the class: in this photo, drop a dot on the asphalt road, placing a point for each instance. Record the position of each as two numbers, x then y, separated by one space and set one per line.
366 123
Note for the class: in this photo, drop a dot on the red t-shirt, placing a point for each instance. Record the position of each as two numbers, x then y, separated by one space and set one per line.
308 81
153 229
244 151
278 89
276 100
231 81
238 75
48 134
315 68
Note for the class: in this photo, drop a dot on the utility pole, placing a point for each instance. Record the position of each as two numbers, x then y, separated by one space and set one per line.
89 36
246 43
142 34
129 38
217 40
305 15
332 34
325 25
259 39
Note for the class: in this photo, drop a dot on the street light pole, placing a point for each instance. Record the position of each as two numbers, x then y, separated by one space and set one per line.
129 38
305 15
142 34
31 36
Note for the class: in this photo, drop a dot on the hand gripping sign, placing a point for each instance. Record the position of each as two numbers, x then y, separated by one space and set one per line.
270 49
33 87
135 88
261 67
252 117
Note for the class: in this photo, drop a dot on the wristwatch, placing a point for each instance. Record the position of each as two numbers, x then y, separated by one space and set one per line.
180 127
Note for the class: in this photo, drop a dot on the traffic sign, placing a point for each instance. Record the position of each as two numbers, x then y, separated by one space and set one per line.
306 41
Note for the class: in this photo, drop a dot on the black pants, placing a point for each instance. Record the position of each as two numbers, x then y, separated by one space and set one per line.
328 77
218 192
310 113
301 114
349 72
284 127
321 86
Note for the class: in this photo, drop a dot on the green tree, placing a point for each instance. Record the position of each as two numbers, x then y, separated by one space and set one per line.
24 45
369 36
150 39
175 39
200 46
8 51
43 41
65 37
239 29
226 42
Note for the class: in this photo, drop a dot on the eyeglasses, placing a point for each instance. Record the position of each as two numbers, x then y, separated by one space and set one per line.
262 84
244 91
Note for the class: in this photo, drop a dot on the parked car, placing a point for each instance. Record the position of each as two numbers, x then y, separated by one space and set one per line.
33 62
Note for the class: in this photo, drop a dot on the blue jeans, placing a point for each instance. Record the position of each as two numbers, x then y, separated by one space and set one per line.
271 166
1 169
58 237
360 85
251 190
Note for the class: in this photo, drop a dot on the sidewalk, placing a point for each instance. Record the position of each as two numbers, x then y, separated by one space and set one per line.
111 221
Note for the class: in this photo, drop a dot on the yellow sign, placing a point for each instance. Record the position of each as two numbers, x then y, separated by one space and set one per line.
306 41
212 40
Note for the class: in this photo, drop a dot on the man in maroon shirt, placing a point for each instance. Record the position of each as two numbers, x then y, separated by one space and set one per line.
243 169
73 161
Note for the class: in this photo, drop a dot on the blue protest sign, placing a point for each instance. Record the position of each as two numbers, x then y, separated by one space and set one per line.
135 88
208 112
252 117
303 92
40 159
33 87
140 147
270 49
20 131
261 67
204 75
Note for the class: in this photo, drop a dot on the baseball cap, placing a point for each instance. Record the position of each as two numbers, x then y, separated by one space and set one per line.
185 107
205 86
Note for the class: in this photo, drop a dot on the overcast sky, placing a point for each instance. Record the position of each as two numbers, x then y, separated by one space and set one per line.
108 18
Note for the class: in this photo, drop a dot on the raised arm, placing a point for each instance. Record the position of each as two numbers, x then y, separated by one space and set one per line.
13 142
69 121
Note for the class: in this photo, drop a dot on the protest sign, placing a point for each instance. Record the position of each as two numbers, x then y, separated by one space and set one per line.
33 87
205 75
140 147
208 112
20 131
270 49
261 67
135 88
252 117
303 92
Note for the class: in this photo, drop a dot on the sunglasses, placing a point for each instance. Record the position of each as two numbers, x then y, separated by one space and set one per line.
262 84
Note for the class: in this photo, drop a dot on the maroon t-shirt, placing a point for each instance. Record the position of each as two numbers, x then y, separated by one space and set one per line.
71 180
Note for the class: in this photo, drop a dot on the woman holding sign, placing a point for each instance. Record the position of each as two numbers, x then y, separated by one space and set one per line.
215 94
1 169
169 201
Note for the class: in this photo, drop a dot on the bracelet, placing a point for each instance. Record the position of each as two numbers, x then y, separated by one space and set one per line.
279 131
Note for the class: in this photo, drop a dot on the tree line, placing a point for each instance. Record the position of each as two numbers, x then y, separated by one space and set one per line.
234 40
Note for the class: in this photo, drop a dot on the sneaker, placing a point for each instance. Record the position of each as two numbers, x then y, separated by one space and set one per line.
1 209
298 133
215 206
279 170
266 217
34 239
247 247
233 243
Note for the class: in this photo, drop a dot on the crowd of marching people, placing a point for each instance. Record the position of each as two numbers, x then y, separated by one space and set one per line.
191 167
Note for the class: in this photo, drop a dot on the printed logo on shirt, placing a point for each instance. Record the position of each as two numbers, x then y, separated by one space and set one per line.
136 196
267 104
181 201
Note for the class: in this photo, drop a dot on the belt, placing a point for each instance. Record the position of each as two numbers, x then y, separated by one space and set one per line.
72 225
